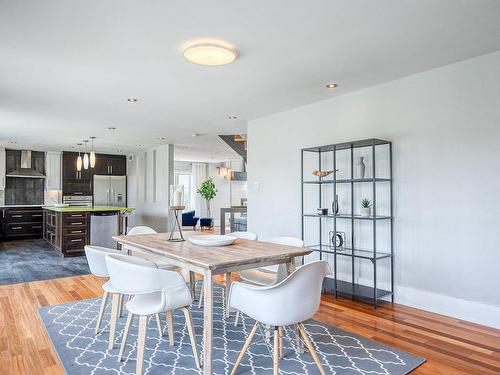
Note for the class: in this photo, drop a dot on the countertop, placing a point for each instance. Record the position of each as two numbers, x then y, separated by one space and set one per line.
20 205
88 209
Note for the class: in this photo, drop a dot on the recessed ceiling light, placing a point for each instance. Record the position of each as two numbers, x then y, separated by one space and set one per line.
161 139
194 135
133 100
138 145
211 54
232 117
119 151
331 85
111 128
13 142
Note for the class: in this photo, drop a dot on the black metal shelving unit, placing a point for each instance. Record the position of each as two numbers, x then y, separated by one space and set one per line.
330 221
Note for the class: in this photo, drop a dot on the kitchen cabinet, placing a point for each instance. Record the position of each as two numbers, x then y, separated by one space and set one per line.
20 222
75 182
67 232
53 170
2 168
112 165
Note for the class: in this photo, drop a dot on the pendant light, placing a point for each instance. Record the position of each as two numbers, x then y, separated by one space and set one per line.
85 156
79 159
92 154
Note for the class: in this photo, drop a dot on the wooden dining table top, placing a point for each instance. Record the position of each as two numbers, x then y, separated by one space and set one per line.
218 259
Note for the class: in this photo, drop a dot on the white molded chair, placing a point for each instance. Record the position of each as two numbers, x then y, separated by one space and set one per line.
143 229
270 275
291 301
154 291
242 235
96 258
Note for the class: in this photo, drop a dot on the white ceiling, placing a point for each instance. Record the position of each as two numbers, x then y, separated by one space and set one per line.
67 67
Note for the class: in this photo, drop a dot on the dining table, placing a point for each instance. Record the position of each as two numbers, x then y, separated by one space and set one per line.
211 261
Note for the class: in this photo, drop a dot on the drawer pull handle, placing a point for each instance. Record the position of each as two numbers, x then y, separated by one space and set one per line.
37 215
76 240
76 223
16 228
77 231
36 227
76 215
17 215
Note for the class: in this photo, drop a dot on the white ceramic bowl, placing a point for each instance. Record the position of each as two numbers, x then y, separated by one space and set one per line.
212 240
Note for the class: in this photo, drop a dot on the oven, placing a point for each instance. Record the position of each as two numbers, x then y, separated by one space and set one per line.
78 200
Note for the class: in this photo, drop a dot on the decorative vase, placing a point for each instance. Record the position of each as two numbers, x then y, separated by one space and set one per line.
366 211
335 205
360 167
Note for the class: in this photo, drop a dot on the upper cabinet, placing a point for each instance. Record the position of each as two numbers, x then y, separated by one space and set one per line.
2 168
112 165
53 170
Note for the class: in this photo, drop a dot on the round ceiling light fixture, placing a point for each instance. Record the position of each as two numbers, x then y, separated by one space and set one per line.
133 100
111 128
331 85
232 117
210 54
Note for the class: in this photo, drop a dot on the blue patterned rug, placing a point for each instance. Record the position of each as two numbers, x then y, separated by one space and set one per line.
71 329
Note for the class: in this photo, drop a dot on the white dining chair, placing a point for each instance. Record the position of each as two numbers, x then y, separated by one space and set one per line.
143 229
289 302
269 275
96 258
242 235
154 291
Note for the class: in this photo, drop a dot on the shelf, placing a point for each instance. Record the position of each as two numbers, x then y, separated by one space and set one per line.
348 145
348 252
347 181
355 217
345 288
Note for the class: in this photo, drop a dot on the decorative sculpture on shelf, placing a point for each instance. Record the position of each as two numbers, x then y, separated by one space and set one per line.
323 173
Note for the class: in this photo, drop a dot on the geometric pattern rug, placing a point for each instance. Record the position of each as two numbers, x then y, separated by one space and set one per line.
71 329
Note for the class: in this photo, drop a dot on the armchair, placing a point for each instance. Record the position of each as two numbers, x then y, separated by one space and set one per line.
189 220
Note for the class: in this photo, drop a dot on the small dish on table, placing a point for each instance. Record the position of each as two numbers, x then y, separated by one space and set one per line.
212 240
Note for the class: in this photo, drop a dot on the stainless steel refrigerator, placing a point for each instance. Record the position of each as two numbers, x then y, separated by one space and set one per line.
110 191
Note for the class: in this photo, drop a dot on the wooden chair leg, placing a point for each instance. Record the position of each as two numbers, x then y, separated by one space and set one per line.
120 306
280 332
141 344
245 347
130 316
170 327
276 356
115 307
310 346
158 324
236 318
192 335
101 311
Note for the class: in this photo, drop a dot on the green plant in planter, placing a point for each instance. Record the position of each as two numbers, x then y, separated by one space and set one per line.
366 203
208 191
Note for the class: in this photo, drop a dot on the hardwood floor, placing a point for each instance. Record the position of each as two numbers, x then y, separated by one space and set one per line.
451 346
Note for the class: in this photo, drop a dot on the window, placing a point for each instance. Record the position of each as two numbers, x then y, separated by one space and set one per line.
184 179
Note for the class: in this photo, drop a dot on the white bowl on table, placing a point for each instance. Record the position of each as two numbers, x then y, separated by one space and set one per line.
212 240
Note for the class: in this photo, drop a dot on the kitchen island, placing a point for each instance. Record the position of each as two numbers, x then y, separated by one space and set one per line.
68 229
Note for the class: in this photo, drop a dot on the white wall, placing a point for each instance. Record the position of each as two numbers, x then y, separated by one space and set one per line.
150 174
445 125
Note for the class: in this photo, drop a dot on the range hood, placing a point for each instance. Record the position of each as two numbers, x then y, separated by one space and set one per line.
26 170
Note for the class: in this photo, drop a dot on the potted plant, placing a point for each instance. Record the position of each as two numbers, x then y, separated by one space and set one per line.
208 191
366 207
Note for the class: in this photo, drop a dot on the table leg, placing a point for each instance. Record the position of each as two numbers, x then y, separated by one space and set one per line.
192 284
208 323
290 266
222 222
226 294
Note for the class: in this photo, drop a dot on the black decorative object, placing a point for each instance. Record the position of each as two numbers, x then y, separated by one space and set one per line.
337 245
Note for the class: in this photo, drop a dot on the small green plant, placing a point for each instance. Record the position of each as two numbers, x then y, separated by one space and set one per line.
366 203
208 191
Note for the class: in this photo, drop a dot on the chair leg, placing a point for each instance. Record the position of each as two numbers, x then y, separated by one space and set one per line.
192 335
120 306
141 344
130 316
280 331
236 318
310 346
115 304
276 355
101 311
200 302
170 327
158 324
245 347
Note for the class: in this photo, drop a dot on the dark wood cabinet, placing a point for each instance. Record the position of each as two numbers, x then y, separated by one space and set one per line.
19 222
67 232
80 182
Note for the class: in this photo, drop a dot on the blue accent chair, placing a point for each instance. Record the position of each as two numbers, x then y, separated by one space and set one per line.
206 223
189 220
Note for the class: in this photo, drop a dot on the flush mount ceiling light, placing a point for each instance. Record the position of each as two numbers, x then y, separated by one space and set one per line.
111 128
210 54
331 85
132 100
232 117
161 139
13 142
